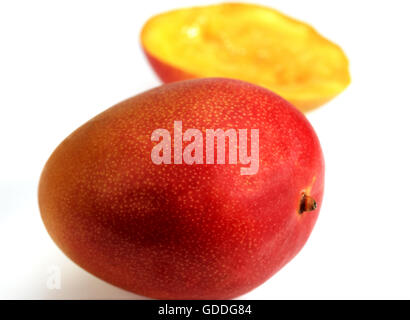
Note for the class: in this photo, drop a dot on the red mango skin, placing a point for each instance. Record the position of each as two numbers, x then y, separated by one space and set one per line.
184 231
167 73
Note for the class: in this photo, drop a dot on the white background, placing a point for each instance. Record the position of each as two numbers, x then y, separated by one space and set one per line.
62 62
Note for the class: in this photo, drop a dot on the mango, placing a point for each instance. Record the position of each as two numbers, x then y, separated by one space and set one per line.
198 189
249 42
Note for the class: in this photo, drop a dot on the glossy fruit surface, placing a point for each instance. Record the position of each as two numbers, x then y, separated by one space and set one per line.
180 231
247 42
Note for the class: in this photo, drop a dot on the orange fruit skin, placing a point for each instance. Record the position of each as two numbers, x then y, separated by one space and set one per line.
183 231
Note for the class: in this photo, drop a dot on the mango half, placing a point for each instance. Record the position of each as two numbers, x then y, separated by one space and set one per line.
247 42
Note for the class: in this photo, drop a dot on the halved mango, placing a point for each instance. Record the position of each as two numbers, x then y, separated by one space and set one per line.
247 42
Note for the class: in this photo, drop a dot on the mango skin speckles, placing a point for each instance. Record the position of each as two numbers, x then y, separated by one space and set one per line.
183 231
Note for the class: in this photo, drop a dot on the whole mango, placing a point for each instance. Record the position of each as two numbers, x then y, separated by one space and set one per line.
199 189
